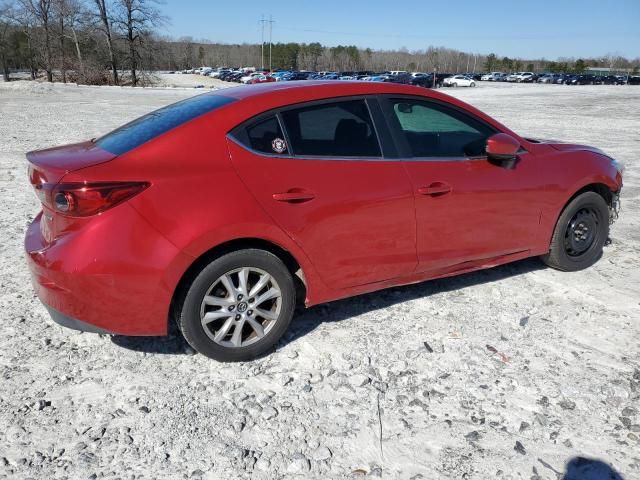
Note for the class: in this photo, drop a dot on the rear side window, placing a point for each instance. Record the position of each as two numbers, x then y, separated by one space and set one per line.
156 123
337 129
266 136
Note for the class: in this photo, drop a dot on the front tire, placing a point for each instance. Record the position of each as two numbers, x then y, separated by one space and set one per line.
238 306
579 234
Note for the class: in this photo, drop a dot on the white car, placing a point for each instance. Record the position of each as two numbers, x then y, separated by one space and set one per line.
525 77
248 78
492 77
218 72
459 81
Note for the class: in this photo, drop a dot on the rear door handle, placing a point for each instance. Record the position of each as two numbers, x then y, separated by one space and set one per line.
294 196
435 189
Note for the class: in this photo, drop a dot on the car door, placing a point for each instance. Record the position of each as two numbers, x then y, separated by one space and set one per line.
318 171
467 208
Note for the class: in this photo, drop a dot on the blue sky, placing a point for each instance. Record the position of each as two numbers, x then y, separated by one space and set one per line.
516 28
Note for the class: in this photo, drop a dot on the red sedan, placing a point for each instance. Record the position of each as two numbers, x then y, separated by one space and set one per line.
261 79
225 210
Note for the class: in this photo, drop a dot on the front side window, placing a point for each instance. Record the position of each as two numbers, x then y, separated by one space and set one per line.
434 130
337 129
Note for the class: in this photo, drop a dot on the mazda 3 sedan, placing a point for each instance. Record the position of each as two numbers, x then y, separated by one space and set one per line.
225 210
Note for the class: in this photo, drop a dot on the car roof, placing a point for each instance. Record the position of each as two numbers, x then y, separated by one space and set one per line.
259 98
318 89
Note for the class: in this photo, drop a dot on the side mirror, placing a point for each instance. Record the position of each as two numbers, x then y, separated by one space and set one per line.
502 149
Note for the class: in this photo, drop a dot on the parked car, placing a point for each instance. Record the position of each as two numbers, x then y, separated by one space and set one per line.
580 80
247 78
495 77
280 75
261 78
219 72
403 77
526 77
492 77
132 234
633 80
425 81
237 76
610 80
440 77
226 76
293 76
458 81
548 78
512 77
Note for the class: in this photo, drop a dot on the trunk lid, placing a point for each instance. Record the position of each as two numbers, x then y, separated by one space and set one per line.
51 164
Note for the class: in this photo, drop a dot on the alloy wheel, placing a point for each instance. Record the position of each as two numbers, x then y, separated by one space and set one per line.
241 307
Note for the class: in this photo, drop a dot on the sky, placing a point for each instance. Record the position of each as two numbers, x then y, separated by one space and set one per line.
516 28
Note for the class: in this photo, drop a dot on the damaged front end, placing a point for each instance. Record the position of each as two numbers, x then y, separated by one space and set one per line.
614 207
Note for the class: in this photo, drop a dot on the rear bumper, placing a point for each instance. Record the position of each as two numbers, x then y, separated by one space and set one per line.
74 324
115 274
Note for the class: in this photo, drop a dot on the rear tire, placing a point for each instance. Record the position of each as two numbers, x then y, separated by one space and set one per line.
233 323
579 234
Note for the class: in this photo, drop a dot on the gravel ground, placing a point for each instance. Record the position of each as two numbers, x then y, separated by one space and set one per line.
514 372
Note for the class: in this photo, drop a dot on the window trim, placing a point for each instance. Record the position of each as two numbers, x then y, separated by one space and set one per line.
386 154
401 143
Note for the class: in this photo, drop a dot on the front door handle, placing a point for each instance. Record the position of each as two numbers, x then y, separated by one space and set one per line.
435 189
294 196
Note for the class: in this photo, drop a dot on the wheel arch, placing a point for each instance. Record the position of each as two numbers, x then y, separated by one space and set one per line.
600 188
292 264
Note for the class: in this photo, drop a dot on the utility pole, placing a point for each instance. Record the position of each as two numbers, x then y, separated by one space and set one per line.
270 32
262 20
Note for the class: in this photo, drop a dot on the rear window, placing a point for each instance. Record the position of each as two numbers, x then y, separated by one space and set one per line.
156 123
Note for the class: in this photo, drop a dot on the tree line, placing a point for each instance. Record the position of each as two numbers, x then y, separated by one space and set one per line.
119 42
86 41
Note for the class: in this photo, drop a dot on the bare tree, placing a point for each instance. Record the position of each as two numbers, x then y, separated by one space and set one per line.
60 9
38 13
137 18
5 29
104 24
77 17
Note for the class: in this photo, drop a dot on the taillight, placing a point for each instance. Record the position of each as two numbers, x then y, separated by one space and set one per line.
85 199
